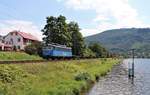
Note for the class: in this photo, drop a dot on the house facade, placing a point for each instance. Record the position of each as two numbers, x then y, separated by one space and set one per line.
1 43
18 40
3 46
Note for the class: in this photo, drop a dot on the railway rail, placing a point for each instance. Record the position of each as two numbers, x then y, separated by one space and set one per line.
32 61
38 61
23 61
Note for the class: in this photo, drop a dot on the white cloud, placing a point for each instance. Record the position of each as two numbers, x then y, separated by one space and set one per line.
100 18
7 26
88 32
109 13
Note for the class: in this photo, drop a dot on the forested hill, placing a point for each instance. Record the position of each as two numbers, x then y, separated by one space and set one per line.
121 40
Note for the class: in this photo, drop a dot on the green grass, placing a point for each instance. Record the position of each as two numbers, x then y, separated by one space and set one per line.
53 78
17 56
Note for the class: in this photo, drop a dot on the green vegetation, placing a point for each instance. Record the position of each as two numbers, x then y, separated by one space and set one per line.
77 40
122 40
34 48
17 56
57 30
53 78
98 50
88 53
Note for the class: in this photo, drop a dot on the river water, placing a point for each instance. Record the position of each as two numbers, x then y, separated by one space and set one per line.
118 83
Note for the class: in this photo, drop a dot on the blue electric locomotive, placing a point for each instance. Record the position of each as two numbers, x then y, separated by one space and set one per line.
56 51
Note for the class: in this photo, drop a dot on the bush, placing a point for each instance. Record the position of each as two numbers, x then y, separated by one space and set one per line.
9 74
34 49
13 80
82 76
88 53
99 50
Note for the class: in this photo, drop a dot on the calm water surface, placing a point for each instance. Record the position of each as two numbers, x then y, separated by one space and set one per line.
117 82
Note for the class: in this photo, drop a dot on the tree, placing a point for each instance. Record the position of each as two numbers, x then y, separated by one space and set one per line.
98 50
88 53
56 31
77 39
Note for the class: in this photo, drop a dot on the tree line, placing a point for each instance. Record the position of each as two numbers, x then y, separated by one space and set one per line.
57 30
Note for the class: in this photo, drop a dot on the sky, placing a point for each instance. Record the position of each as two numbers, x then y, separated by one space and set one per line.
93 16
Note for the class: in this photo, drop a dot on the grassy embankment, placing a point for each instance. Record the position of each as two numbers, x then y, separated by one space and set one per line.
17 56
53 78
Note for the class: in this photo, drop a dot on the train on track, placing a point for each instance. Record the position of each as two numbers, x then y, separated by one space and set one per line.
52 51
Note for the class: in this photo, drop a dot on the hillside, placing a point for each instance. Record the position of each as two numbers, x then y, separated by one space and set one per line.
121 40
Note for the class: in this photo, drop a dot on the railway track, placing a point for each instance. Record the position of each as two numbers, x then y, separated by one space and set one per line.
23 61
33 61
38 61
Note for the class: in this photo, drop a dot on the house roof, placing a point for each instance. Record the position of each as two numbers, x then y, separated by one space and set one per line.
27 35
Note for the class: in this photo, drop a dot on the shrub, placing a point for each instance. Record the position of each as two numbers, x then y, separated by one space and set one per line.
88 53
99 50
9 74
34 49
82 76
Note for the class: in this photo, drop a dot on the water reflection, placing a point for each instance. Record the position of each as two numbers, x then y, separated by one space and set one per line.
131 80
118 83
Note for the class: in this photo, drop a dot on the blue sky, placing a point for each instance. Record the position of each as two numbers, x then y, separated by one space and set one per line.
93 16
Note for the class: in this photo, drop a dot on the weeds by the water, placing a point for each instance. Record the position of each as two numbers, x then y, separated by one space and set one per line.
53 78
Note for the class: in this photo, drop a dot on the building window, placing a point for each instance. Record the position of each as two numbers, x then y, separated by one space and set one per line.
11 40
19 39
3 41
16 33
18 47
12 33
15 48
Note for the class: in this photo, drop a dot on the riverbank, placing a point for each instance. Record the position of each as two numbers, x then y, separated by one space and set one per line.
52 78
115 83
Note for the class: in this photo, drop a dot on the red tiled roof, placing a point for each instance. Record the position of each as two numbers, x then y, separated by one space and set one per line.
27 35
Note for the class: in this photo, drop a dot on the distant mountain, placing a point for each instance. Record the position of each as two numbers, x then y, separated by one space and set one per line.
122 40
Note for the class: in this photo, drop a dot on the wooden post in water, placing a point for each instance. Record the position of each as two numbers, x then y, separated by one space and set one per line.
131 69
133 63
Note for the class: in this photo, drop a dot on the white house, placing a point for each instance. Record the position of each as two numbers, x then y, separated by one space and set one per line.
18 40
3 46
1 43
